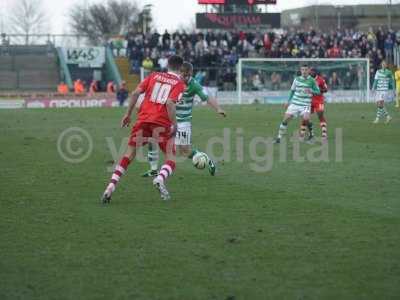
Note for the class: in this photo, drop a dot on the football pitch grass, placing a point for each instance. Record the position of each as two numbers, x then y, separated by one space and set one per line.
302 230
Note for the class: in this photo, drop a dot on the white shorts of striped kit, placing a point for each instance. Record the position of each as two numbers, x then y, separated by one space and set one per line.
387 96
298 110
184 134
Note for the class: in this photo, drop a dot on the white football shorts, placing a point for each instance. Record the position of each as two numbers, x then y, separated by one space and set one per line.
183 135
386 96
298 110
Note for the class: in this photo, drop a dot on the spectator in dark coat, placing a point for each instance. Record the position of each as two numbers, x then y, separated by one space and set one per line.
122 93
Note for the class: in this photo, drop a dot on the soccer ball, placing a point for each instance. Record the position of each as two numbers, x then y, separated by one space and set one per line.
200 160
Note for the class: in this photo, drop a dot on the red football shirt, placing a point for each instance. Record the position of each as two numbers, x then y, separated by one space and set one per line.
323 87
158 88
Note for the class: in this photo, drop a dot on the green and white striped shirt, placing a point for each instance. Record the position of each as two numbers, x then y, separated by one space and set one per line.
185 107
302 91
384 80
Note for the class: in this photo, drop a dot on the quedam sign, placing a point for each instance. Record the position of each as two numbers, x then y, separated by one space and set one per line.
237 2
231 21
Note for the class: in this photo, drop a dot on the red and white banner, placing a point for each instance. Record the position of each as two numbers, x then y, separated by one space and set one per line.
49 102
69 103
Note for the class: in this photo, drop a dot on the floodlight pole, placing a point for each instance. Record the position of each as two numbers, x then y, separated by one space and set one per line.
2 17
339 16
389 14
316 11
146 12
1 23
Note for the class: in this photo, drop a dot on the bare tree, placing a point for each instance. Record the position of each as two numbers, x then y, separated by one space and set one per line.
100 21
27 17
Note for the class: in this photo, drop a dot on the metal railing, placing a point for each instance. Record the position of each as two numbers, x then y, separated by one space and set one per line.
57 40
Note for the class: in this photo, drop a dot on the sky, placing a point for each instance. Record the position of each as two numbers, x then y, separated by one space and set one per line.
167 14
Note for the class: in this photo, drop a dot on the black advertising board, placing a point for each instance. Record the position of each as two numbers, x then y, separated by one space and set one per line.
211 1
237 2
250 2
231 21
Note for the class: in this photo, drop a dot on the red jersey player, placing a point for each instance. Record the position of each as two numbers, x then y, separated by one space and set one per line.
156 121
317 104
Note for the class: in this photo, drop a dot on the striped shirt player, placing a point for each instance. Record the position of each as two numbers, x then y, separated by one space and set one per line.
383 87
301 94
184 110
303 89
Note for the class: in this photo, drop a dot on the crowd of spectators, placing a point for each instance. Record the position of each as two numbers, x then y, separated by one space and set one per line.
217 52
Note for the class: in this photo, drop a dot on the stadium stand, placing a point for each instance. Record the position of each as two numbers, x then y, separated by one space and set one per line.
218 51
132 79
29 68
8 79
214 54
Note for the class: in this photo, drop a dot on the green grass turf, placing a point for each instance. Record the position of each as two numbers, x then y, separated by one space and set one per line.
304 230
